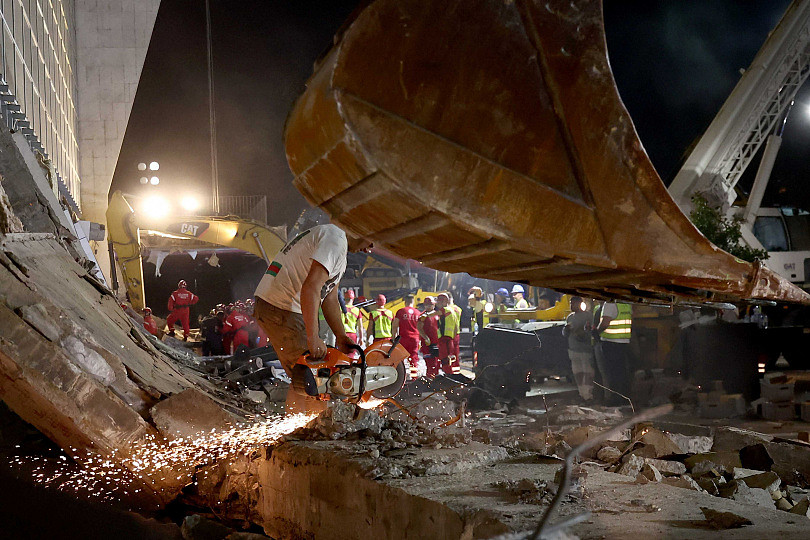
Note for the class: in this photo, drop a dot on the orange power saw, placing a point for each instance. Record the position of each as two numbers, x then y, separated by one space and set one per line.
380 373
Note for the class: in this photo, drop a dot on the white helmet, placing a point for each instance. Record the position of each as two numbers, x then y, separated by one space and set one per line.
518 288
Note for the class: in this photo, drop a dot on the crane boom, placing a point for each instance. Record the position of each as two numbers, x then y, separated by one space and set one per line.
750 114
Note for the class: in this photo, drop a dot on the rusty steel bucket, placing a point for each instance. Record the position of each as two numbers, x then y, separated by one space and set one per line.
488 137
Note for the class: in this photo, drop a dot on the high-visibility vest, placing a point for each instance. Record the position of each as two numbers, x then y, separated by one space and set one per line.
452 321
350 319
522 304
382 322
620 327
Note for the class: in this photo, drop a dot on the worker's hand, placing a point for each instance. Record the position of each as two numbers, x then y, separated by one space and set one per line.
317 347
342 343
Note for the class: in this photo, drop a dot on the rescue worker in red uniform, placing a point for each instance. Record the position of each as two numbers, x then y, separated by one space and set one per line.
235 329
380 320
429 331
353 321
149 322
405 325
449 334
179 302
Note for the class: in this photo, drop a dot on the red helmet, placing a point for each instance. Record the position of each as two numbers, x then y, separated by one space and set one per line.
381 300
147 311
182 284
350 294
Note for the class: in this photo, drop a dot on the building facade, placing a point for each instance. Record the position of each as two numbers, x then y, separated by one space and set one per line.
70 70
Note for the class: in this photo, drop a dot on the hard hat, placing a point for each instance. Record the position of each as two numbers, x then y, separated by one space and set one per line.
518 288
476 291
381 300
182 284
502 292
443 295
429 300
350 294
147 311
250 302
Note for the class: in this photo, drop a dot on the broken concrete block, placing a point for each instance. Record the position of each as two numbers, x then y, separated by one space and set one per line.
724 520
695 444
632 465
668 468
608 454
756 456
739 491
726 461
733 439
769 481
641 479
709 485
37 316
189 414
741 472
661 444
705 468
784 505
685 482
651 473
802 508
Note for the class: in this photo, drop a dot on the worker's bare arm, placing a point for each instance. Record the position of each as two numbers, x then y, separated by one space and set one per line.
310 301
420 326
332 314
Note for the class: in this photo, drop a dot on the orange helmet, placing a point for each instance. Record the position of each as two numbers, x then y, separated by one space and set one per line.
381 300
182 284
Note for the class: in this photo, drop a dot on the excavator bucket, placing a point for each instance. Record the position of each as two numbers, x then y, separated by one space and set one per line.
488 137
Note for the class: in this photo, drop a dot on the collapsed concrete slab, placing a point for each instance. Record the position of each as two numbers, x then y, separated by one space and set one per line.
71 362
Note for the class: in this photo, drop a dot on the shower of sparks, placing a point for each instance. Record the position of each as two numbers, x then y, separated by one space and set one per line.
153 463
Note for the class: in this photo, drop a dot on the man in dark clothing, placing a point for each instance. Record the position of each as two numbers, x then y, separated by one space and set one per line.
211 328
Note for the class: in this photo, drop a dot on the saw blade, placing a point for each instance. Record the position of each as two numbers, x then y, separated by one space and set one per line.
392 389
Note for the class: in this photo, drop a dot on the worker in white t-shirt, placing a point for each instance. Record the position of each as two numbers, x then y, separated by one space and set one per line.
303 277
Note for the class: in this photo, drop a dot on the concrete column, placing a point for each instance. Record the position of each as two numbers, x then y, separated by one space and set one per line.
112 37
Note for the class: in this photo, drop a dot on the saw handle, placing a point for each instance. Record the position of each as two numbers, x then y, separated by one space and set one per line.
394 343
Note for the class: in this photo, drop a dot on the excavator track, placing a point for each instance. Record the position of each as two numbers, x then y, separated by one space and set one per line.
488 137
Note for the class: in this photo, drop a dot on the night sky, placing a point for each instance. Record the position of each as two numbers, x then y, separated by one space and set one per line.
674 62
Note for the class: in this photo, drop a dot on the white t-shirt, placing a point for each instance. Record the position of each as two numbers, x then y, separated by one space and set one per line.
281 284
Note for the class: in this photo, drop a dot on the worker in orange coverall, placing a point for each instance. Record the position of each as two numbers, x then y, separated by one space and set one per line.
179 302
149 322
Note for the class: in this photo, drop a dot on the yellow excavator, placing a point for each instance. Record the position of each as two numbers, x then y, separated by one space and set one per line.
124 225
